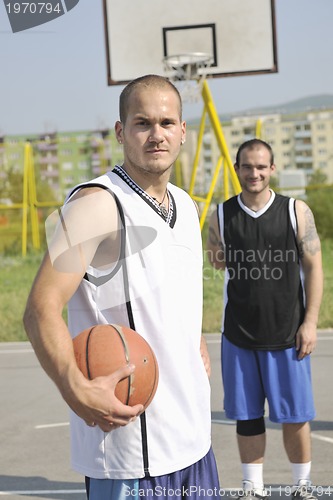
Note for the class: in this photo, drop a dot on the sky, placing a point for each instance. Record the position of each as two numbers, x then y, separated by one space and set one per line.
54 77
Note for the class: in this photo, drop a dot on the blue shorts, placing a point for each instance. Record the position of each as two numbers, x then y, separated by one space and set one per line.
251 377
197 481
112 489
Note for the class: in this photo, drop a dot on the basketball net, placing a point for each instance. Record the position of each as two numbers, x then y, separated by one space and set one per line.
187 72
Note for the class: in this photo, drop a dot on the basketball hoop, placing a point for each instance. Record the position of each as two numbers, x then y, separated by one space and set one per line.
190 69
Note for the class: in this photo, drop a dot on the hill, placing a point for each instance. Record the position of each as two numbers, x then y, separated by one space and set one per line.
310 103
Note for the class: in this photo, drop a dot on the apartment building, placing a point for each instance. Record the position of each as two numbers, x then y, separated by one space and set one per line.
63 159
302 143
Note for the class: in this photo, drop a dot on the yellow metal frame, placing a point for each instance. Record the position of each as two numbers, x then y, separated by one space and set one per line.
259 128
178 173
223 161
30 204
29 201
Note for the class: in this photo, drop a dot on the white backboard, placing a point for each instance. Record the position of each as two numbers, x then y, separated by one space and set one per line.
240 35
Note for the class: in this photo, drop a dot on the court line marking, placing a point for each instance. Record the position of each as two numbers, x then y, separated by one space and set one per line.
223 422
208 340
16 351
42 492
50 426
321 438
26 346
211 340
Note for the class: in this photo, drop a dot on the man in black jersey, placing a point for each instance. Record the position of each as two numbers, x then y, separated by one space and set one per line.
269 247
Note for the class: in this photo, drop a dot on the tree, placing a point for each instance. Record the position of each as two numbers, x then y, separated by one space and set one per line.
317 178
12 187
321 203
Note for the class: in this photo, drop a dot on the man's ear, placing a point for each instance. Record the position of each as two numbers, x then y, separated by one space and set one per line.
183 139
118 128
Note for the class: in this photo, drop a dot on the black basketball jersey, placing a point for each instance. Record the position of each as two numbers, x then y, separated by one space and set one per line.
264 302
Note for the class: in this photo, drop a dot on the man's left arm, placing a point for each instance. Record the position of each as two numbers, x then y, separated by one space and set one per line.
310 254
205 355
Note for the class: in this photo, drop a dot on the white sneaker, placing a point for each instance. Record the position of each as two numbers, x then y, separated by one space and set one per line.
303 491
250 493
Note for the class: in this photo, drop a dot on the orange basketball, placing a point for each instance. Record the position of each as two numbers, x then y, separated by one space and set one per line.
102 349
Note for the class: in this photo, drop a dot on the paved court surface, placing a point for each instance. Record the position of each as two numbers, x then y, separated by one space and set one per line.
34 450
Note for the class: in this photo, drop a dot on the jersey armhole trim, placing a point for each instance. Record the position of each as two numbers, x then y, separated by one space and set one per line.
292 215
220 221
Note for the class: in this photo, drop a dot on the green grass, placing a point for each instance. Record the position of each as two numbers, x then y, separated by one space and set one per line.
213 297
326 315
10 239
17 275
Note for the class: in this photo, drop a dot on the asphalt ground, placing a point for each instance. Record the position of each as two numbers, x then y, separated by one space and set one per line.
34 450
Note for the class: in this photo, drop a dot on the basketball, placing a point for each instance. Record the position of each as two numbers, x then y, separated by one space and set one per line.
103 349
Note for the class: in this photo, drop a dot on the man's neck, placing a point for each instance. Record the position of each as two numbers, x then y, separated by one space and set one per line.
153 184
256 201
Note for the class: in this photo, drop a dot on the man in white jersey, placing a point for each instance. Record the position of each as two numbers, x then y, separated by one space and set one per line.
270 250
127 250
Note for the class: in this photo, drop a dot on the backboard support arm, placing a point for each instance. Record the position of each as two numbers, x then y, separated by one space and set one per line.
224 160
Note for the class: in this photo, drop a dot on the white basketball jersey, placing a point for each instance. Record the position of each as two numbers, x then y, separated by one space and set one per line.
164 280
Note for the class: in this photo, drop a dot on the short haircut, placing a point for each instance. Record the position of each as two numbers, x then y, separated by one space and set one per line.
145 82
252 144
